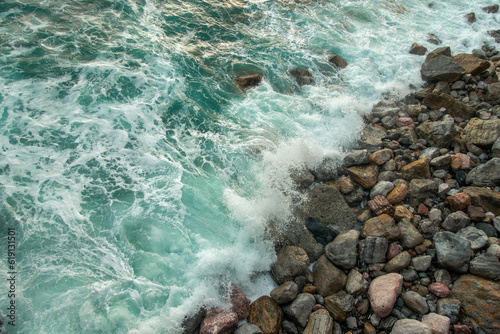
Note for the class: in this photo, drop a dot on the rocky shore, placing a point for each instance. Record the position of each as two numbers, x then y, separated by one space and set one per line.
404 235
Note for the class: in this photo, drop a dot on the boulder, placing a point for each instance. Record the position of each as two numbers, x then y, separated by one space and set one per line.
291 262
383 292
303 76
338 61
371 138
472 64
285 293
478 239
298 311
320 322
453 106
453 252
219 322
480 302
485 175
441 68
482 132
248 81
266 314
327 278
442 51
488 199
417 49
343 250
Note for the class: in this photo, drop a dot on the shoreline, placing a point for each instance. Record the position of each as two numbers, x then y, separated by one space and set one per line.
425 166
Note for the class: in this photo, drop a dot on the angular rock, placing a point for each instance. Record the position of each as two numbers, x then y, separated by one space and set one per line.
248 81
240 303
400 213
491 9
285 293
383 292
415 302
472 64
289 327
485 175
298 311
478 239
328 279
355 283
382 188
421 189
458 202
339 304
486 265
482 132
248 329
453 252
266 314
303 76
320 322
381 157
441 68
338 61
380 205
191 323
372 250
371 138
419 169
356 158
450 308
222 322
421 263
443 51
417 49
392 250
460 161
302 178
410 236
437 323
398 194
455 221
488 199
382 226
480 302
406 326
291 261
365 175
343 250
476 214
442 162
453 107
398 263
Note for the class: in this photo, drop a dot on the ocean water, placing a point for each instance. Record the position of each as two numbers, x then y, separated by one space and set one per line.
139 178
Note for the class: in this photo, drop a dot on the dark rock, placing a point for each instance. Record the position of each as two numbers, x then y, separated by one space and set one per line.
285 293
471 18
248 81
453 252
415 302
410 236
441 68
417 49
450 308
302 178
303 76
371 138
453 107
478 239
338 61
266 314
491 9
356 158
342 250
291 261
486 265
328 279
190 324
240 303
480 302
219 322
338 305
421 189
321 233
488 199
373 250
486 175
431 38
488 229
456 221
289 327
326 170
298 311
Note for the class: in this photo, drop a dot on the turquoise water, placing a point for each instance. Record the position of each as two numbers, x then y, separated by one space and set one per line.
139 178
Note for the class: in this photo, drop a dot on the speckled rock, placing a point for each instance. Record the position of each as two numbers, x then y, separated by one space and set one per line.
372 250
342 251
439 289
456 221
365 175
410 236
453 252
438 324
381 226
328 279
450 308
383 293
478 239
406 326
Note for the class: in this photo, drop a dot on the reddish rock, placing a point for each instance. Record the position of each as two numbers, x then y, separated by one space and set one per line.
219 322
240 302
419 169
398 194
480 302
381 205
439 289
460 161
344 184
476 213
402 122
267 315
383 292
392 251
438 324
365 175
310 289
422 210
318 307
458 202
461 329
381 226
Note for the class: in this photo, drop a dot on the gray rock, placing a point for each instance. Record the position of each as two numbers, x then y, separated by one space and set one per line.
398 263
450 308
248 329
442 276
291 261
489 229
493 94
356 158
486 265
453 252
441 68
355 283
409 275
410 236
303 76
382 188
385 108
486 175
441 162
371 139
439 133
343 250
415 302
478 239
435 215
285 293
372 250
430 153
289 327
421 189
456 221
320 322
302 178
406 326
352 323
327 278
387 176
326 170
495 149
298 311
421 263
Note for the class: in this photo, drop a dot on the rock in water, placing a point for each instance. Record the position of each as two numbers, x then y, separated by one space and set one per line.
338 61
480 302
223 322
240 302
441 68
303 76
417 49
248 81
267 315
320 322
383 292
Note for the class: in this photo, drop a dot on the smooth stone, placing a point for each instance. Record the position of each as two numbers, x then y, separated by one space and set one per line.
406 326
437 323
442 276
320 322
383 292
342 251
382 188
453 252
439 289
456 221
298 311
285 293
485 265
328 279
398 263
415 302
421 263
478 239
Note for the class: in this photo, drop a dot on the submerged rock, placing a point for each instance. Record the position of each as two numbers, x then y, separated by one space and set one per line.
338 61
248 81
303 76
